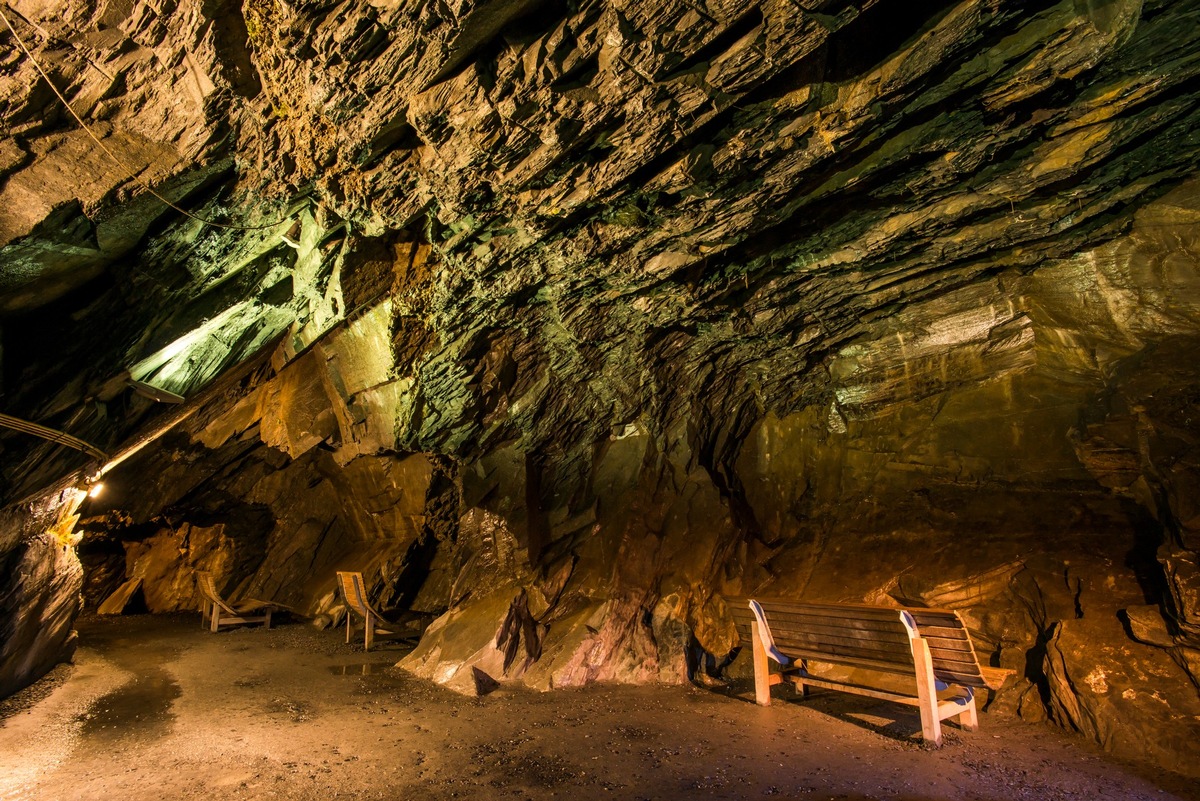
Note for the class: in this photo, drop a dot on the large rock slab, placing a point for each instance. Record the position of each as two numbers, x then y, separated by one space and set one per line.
40 583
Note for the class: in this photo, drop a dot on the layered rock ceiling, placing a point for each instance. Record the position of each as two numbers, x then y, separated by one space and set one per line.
567 321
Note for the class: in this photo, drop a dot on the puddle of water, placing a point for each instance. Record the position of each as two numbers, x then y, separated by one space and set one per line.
141 707
361 669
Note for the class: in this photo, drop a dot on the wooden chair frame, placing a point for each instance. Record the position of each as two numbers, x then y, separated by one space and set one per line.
354 592
215 612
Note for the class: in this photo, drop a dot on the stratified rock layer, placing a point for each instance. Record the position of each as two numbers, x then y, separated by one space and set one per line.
566 322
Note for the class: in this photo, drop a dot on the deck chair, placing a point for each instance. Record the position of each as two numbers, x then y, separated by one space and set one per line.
215 612
355 593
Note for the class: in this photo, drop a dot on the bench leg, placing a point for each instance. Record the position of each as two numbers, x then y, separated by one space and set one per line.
931 726
762 671
801 687
348 625
369 639
215 623
268 620
969 717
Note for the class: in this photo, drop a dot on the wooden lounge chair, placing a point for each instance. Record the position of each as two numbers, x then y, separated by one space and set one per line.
930 647
215 612
354 591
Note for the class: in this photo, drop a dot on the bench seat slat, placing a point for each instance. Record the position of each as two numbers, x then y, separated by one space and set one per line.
857 689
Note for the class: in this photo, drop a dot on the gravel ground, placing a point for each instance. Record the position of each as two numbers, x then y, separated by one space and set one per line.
156 708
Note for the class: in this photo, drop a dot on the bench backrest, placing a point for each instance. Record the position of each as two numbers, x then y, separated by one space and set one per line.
208 588
954 658
354 591
872 637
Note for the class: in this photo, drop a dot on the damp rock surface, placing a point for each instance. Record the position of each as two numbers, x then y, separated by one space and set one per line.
296 714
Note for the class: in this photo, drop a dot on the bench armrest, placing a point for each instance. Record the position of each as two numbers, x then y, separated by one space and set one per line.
995 677
764 633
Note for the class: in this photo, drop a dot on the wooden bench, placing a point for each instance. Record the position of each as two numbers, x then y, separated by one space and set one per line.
215 612
354 592
929 646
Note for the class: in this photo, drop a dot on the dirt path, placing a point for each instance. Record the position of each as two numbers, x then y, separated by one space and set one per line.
156 708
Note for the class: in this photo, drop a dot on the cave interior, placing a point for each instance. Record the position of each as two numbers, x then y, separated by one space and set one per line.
565 322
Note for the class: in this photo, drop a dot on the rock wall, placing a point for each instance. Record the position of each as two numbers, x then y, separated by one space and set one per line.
40 581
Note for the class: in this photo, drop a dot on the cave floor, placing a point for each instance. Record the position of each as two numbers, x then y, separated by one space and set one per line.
154 707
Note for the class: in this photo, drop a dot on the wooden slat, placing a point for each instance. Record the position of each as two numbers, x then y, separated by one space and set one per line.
888 653
892 660
896 634
957 669
966 680
995 677
866 613
799 620
949 645
954 660
856 689
942 631
872 639
934 617
850 661
957 654
783 603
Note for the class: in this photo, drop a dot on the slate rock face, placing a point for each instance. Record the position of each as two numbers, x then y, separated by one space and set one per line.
39 589
566 322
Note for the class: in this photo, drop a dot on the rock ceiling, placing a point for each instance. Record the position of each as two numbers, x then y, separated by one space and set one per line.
622 307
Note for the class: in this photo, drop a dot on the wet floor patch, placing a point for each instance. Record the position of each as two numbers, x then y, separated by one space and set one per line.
137 709
359 669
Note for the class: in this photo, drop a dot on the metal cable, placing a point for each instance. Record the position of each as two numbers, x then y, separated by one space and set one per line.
54 435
